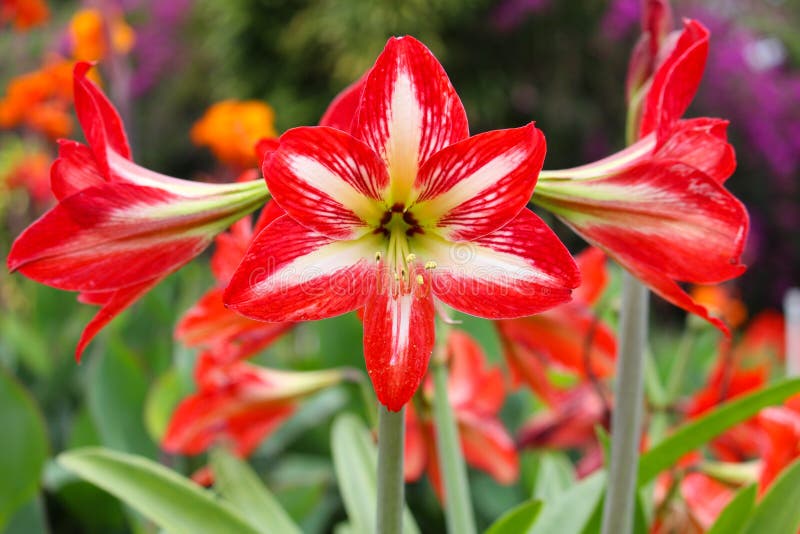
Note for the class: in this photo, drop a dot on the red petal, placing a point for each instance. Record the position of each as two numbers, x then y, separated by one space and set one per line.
415 455
488 447
474 187
398 336
409 111
107 237
100 121
703 144
230 249
342 110
291 273
327 180
74 170
518 270
594 276
113 303
705 497
675 81
470 384
661 220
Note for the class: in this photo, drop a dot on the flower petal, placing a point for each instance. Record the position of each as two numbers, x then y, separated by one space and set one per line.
291 273
675 81
470 384
488 447
327 180
415 454
703 144
111 236
398 335
113 303
476 186
342 110
409 111
662 216
594 276
518 270
99 120
74 170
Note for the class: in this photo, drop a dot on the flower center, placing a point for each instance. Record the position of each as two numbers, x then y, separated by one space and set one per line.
398 225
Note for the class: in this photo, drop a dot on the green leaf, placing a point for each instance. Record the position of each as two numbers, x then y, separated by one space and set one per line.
23 449
518 519
163 397
168 499
237 483
778 513
117 392
572 510
355 460
701 430
554 475
28 519
734 516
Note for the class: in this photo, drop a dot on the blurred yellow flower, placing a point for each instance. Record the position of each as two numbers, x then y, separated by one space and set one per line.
232 128
89 39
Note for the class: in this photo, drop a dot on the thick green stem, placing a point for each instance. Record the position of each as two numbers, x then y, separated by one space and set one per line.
458 506
626 420
391 438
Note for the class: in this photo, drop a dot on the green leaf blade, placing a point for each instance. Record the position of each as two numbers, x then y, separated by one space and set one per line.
778 513
734 516
168 499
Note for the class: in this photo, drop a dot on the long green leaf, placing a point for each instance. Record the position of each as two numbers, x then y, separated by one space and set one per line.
168 499
701 430
518 519
355 460
242 488
554 476
23 449
734 516
573 509
778 512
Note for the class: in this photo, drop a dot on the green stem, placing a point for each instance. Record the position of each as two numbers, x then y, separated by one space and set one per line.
458 508
678 370
626 420
391 438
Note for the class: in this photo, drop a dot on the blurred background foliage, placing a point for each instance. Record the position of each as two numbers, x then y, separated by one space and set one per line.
559 63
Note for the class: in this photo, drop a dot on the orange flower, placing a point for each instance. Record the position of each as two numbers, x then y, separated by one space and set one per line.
24 14
721 302
87 29
232 128
40 100
32 172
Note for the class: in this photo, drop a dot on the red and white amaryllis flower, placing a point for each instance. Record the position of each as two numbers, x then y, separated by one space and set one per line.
118 229
209 323
240 404
477 393
403 208
659 207
569 338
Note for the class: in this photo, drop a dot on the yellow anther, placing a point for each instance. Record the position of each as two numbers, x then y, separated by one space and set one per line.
378 256
430 265
420 280
411 257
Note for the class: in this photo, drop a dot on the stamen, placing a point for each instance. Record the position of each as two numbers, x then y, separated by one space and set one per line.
420 280
411 257
378 256
430 265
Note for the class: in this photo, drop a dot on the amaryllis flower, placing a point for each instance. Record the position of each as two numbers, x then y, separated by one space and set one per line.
570 424
403 208
24 14
239 404
659 207
567 338
209 323
781 426
694 507
118 229
476 393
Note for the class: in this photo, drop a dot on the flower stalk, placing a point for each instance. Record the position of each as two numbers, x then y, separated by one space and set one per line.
458 508
626 419
391 437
